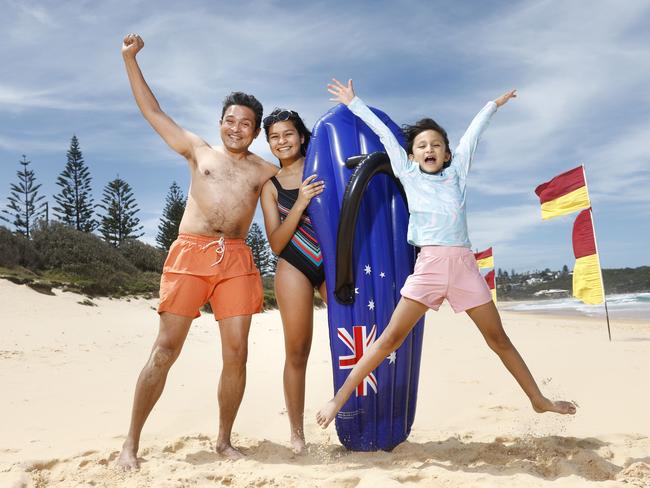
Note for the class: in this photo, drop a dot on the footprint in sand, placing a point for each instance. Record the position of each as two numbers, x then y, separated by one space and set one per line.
39 465
501 408
202 457
11 354
342 481
409 478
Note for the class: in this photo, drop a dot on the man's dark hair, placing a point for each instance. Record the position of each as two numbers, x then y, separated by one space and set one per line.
246 100
282 115
411 131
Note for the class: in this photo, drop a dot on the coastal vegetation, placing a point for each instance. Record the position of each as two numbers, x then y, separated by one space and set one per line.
94 248
58 255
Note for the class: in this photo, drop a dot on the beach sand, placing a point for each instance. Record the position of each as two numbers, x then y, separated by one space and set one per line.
67 374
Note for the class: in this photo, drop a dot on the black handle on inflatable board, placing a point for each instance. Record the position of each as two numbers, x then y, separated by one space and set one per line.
354 161
367 166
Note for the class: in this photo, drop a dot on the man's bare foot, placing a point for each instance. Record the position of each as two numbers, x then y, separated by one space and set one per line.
298 445
128 459
326 414
561 407
228 451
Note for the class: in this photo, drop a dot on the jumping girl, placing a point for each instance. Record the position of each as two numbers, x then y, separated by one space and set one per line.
435 184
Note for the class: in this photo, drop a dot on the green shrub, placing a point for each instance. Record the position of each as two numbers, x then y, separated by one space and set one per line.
145 283
143 256
270 301
16 250
9 248
82 253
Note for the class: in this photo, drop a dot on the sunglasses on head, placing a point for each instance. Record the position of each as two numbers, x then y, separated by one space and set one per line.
281 116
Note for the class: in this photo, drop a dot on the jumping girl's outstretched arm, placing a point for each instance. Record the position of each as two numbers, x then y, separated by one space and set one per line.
464 153
345 94
503 99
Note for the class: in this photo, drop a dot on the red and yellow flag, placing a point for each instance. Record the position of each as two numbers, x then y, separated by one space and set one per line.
587 276
489 279
484 259
564 194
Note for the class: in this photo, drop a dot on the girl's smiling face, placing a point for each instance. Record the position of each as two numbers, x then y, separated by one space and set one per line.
430 151
284 141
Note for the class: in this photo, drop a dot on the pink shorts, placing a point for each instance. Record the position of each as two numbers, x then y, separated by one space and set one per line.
447 272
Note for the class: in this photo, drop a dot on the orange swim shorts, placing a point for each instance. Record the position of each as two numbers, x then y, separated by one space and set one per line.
201 269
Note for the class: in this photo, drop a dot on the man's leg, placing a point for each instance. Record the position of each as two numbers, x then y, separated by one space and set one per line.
171 336
234 352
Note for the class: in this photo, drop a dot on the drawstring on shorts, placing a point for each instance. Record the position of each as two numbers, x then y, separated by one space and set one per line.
220 249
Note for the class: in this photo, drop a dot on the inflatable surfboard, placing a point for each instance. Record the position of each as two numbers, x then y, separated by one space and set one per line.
361 220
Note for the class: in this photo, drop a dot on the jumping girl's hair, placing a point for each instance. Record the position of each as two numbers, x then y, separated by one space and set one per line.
282 115
411 131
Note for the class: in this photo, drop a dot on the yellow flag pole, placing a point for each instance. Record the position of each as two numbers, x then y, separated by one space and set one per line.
600 268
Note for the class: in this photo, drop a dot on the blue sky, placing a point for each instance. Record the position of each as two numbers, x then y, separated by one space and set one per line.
582 70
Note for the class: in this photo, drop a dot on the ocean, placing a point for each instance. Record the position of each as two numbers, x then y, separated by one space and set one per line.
624 306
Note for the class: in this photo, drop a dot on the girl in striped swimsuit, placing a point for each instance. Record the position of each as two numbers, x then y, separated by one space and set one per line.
300 265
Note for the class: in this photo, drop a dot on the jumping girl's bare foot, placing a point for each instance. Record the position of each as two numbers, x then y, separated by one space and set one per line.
561 407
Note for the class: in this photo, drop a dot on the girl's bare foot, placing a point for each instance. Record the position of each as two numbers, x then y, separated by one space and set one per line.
128 459
561 407
298 445
228 451
326 414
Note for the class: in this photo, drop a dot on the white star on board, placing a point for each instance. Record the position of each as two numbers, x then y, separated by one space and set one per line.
382 275
371 305
392 357
356 291
367 269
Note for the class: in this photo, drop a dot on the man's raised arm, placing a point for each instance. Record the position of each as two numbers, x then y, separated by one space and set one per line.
179 139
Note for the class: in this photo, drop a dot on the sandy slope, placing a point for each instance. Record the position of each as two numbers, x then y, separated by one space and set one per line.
67 373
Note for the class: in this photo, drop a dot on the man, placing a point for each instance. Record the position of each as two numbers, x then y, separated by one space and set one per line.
209 261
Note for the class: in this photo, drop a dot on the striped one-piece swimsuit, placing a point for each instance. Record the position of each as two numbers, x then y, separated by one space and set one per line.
303 250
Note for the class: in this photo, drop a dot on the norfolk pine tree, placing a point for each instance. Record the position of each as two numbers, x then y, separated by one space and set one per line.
74 201
23 208
119 222
171 218
260 249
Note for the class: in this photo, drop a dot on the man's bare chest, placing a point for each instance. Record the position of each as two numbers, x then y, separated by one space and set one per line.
240 179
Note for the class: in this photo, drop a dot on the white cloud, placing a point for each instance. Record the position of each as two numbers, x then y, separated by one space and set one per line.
579 72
